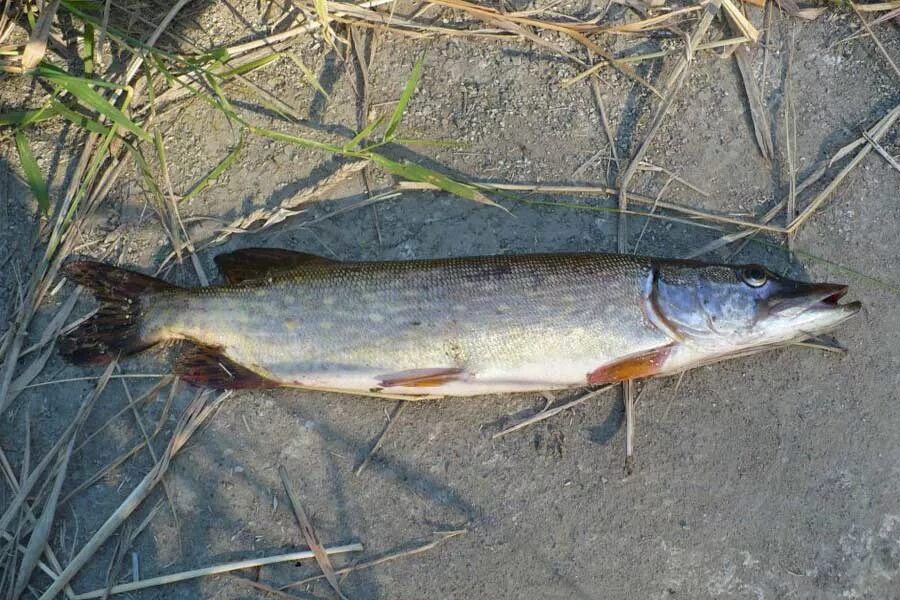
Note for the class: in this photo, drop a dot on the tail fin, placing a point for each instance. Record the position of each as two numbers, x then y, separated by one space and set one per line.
115 330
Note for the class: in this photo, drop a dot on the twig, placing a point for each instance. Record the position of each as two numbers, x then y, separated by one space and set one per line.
673 86
26 486
884 153
767 31
47 569
653 55
266 589
216 570
603 190
659 196
163 419
95 378
879 130
877 42
758 115
647 166
398 408
41 532
877 6
876 131
598 98
370 201
790 134
154 389
291 33
575 31
270 217
101 35
34 53
628 399
140 423
550 412
194 416
381 560
739 21
309 533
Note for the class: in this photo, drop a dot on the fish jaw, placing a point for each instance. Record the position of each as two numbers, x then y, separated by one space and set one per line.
685 356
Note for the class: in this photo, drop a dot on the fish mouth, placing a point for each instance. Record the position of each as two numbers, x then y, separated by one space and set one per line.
815 297
830 294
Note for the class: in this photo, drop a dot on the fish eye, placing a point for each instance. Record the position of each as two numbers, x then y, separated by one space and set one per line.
754 275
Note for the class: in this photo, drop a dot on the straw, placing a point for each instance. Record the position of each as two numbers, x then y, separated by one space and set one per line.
228 567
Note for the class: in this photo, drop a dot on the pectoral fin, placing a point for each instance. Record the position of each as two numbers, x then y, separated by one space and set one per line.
207 366
635 366
259 263
420 377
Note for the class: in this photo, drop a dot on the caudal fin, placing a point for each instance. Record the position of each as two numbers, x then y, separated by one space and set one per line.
115 329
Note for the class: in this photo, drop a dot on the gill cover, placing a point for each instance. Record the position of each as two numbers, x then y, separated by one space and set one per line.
716 307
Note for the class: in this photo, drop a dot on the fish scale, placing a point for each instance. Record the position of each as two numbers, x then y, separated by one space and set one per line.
358 321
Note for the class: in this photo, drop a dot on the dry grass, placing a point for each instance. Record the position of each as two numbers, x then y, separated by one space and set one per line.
442 537
309 533
673 86
549 411
118 114
219 569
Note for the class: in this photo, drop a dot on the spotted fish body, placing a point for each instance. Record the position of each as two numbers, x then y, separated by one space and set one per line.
458 326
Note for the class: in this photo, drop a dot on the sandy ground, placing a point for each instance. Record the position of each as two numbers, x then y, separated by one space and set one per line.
774 476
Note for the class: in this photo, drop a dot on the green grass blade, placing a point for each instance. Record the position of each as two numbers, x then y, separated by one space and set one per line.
431 143
54 73
324 21
81 90
308 75
15 117
359 137
88 54
298 141
79 119
414 172
217 171
217 54
161 67
33 173
221 101
160 147
251 66
126 41
147 174
86 4
23 118
405 97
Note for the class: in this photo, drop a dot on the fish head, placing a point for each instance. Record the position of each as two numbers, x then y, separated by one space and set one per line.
725 308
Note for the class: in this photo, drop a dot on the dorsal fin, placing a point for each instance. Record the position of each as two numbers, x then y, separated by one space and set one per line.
259 263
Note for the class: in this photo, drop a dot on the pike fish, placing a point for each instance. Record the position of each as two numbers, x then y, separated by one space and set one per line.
455 326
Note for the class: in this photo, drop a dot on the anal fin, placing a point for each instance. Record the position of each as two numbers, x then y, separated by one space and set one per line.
635 366
420 377
248 264
207 366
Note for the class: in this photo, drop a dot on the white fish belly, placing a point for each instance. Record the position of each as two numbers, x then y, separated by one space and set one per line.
545 375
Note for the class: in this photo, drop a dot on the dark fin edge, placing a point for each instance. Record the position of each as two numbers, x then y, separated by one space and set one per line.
249 264
115 329
207 366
